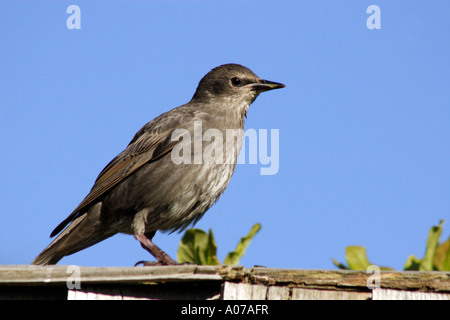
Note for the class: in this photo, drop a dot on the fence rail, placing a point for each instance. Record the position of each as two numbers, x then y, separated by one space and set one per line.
216 282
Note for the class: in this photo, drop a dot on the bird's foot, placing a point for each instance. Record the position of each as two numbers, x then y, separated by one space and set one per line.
163 258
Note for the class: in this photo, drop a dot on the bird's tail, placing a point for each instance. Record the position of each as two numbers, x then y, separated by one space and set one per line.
83 232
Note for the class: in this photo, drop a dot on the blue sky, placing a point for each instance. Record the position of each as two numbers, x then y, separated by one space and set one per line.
364 120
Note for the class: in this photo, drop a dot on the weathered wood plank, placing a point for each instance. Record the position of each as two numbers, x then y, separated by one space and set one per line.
389 294
340 280
90 293
318 294
243 291
61 274
278 293
350 279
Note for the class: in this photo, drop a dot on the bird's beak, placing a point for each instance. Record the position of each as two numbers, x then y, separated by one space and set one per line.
265 85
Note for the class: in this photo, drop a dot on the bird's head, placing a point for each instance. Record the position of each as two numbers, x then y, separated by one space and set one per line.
232 84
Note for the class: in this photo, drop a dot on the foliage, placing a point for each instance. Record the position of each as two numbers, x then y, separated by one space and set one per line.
437 256
199 247
356 258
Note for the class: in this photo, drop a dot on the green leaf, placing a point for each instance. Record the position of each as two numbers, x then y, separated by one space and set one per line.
211 255
426 263
356 258
233 257
412 263
339 264
446 263
197 247
442 256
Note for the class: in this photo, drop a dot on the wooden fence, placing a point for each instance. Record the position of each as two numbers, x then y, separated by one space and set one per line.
217 282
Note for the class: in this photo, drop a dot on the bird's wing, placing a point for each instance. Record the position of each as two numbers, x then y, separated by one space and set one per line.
146 146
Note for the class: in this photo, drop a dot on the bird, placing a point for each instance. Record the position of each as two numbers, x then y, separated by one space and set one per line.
159 182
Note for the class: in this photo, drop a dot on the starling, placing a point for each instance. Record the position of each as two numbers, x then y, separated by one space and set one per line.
163 179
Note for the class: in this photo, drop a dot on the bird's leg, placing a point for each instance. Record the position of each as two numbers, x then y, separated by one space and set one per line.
162 257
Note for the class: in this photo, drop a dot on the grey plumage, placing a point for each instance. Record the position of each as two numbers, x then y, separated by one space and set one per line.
142 190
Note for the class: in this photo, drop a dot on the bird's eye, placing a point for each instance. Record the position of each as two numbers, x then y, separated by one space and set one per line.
235 81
